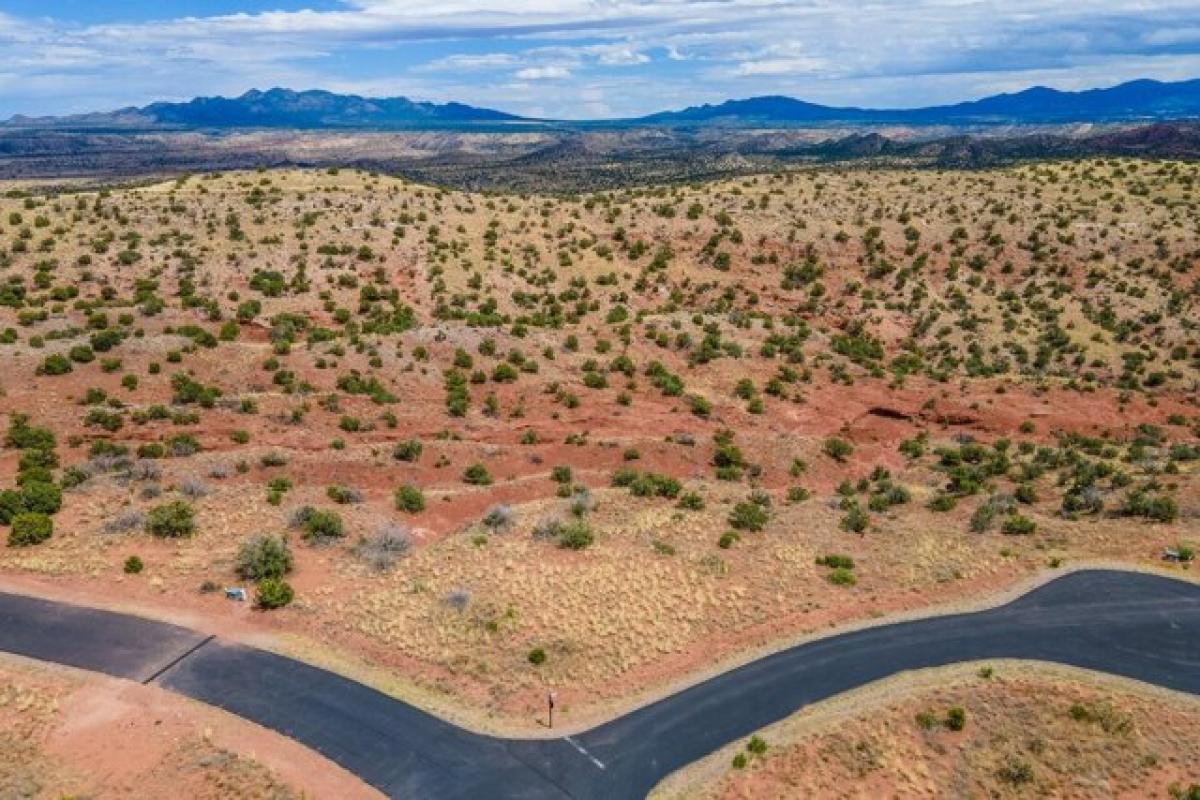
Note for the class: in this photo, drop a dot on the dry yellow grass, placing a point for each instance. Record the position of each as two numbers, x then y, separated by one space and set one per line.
1031 730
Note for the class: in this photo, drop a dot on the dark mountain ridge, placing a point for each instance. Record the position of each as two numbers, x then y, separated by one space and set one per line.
1135 101
1141 100
280 108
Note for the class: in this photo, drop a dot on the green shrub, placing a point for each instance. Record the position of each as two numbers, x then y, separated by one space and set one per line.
537 656
151 450
576 536
273 593
1084 500
836 561
31 458
183 444
56 364
23 436
321 525
623 476
410 499
264 556
841 577
343 495
35 474
11 504
498 518
797 494
988 510
942 502
914 448
838 449
1015 770
651 484
1160 508
856 519
279 484
273 459
408 450
757 745
133 565
1018 525
956 718
477 475
29 528
171 520
748 516
1026 494
1177 792
42 497
82 354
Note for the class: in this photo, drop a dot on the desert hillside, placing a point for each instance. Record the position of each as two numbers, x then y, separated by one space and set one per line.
478 446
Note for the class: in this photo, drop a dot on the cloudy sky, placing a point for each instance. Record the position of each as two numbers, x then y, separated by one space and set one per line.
583 58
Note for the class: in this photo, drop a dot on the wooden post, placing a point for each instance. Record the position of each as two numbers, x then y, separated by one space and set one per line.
550 707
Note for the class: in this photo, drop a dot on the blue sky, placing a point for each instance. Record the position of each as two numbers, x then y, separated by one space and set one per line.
582 58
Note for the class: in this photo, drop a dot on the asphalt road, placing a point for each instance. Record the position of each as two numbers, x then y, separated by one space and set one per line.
1130 624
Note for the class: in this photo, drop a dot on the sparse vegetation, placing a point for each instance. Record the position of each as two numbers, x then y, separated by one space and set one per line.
666 397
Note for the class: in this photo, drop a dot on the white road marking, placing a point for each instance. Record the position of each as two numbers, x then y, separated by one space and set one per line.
591 757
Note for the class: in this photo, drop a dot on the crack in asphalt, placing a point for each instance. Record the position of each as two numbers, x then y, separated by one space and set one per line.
167 667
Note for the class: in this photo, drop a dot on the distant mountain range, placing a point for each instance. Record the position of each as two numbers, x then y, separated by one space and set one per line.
1136 101
278 108
1142 100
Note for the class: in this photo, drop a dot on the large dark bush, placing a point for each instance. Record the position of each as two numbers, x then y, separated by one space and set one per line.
29 528
273 593
172 520
264 556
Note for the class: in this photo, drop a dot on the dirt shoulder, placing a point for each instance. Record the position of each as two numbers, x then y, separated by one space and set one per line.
65 732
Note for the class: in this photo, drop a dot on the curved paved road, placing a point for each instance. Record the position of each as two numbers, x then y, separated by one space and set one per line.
1131 624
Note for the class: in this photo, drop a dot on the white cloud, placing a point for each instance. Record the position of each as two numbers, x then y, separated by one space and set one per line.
779 66
622 56
470 63
1171 36
543 73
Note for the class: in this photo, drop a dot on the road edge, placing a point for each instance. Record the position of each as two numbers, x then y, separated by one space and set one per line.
385 681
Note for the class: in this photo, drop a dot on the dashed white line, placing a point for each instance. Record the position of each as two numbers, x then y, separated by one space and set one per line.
590 757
